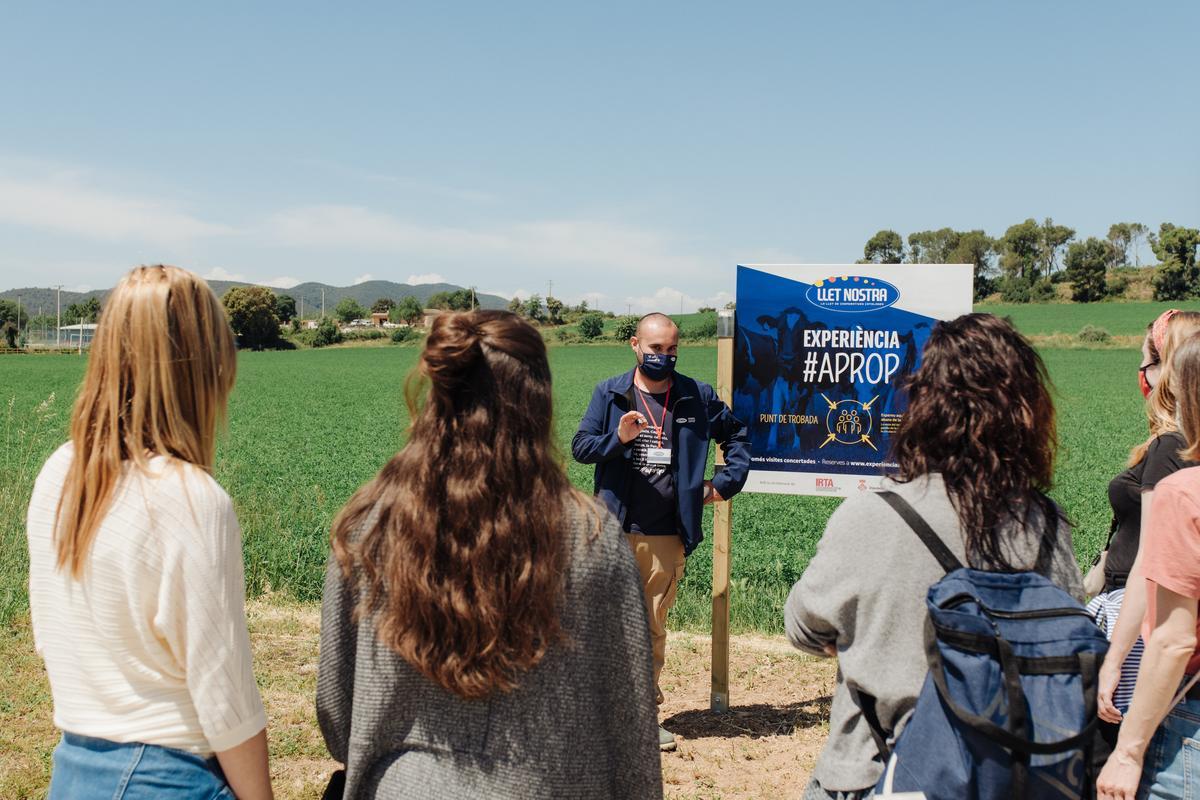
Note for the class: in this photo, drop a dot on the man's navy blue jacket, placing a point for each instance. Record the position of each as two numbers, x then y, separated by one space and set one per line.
699 416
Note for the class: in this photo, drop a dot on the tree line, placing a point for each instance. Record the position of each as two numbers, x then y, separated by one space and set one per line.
16 322
1024 264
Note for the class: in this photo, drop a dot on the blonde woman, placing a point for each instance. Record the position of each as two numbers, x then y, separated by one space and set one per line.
135 559
1155 753
1152 461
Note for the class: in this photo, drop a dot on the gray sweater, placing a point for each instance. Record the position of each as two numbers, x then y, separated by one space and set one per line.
864 591
582 723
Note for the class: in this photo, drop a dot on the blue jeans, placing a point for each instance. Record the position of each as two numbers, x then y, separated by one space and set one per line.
1172 765
97 769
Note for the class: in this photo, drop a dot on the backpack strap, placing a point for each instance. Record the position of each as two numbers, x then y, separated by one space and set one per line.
921 528
866 704
1088 667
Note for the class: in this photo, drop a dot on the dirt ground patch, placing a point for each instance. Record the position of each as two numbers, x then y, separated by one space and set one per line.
764 747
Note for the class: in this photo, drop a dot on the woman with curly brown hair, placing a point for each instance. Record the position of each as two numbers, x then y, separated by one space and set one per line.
975 452
483 632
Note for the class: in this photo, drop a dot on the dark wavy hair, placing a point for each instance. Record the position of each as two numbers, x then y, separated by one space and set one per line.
463 556
980 413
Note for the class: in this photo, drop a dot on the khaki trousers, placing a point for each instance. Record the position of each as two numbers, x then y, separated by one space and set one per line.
660 559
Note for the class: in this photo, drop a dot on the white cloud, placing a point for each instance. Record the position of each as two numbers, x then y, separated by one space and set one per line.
428 277
62 202
366 276
667 300
221 274
617 248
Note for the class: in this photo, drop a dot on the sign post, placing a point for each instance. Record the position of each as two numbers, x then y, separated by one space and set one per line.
722 532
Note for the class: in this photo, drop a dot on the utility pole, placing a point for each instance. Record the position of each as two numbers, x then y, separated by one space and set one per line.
58 327
322 304
474 303
18 319
550 290
302 310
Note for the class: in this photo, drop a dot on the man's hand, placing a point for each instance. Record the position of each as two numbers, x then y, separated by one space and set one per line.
632 423
711 495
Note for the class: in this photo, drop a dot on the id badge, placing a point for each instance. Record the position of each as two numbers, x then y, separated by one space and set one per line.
658 455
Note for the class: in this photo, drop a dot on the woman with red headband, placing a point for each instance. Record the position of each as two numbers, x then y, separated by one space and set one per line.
1118 610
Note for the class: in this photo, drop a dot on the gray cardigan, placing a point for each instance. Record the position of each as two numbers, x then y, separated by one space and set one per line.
582 723
865 591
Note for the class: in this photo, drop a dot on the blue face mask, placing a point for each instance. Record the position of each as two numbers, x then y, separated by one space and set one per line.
657 366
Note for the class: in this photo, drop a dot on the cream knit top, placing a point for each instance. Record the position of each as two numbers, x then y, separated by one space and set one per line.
151 645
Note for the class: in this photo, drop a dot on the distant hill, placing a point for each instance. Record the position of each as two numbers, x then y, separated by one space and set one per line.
365 293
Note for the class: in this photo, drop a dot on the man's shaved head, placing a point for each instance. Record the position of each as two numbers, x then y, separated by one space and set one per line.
653 320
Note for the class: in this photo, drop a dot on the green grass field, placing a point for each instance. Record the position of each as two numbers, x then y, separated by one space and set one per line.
1119 319
307 428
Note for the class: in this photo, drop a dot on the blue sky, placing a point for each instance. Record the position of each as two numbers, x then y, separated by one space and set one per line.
630 152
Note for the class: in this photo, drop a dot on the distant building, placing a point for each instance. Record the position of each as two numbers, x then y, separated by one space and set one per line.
379 318
78 335
430 315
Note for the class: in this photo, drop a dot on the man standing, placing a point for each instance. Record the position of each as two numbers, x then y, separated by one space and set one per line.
647 431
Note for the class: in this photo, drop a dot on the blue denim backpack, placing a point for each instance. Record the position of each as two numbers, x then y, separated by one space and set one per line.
1008 708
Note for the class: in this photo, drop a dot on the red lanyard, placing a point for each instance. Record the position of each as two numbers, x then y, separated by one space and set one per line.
663 424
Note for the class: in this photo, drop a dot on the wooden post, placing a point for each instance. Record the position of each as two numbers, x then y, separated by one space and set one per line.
722 533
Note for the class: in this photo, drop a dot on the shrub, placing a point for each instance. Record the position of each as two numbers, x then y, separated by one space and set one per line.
625 328
1094 334
363 335
591 326
1014 290
984 286
566 336
402 334
1042 291
327 333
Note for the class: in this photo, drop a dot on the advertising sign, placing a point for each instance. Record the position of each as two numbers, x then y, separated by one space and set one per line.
820 354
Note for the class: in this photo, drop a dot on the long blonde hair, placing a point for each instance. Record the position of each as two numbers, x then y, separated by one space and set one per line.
161 368
1187 369
1160 406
